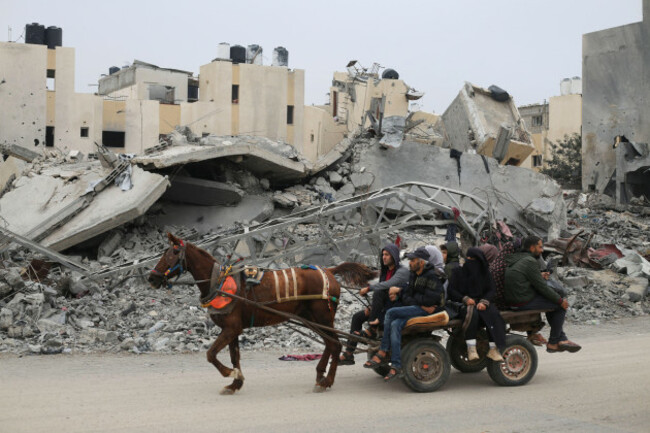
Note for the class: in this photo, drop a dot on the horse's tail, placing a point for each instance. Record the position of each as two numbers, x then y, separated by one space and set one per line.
354 273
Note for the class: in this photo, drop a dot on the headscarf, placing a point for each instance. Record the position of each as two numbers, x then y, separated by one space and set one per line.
498 270
435 257
491 252
474 275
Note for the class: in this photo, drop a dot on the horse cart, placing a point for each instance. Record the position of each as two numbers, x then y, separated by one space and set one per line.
308 296
427 363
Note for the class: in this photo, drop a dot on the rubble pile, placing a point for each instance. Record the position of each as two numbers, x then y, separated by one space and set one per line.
46 308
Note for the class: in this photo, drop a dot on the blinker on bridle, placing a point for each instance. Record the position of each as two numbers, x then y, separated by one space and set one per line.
179 265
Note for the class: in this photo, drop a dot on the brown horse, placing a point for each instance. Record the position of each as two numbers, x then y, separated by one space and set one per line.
311 294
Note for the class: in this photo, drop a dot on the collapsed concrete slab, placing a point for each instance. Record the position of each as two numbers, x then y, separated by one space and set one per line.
488 122
264 157
531 201
38 197
202 192
206 219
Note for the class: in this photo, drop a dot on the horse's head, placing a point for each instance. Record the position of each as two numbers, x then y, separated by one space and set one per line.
171 264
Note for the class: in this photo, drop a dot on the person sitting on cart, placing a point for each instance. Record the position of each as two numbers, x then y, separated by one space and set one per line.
451 255
392 274
473 285
526 289
424 295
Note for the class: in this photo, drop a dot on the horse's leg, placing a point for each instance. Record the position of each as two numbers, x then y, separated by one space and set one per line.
238 382
321 367
335 351
226 336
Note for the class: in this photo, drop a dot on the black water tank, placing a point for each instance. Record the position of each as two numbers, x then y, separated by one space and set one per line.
238 54
498 94
113 69
390 74
53 37
35 34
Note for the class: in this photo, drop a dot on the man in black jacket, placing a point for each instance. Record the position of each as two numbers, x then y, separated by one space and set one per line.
392 274
424 295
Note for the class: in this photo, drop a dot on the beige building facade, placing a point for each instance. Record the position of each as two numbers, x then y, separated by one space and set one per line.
549 122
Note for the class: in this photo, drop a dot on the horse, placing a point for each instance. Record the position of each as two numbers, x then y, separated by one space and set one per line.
311 294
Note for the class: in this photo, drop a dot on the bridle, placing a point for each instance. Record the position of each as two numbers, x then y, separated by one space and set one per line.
180 263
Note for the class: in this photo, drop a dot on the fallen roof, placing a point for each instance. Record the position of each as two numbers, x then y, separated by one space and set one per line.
37 197
259 161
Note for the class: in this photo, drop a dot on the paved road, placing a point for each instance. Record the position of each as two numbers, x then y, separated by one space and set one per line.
603 388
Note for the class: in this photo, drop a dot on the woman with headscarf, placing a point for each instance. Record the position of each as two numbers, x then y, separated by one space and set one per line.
473 285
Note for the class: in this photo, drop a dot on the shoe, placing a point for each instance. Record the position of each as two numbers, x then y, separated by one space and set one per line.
494 355
537 339
569 346
371 363
347 358
472 354
394 373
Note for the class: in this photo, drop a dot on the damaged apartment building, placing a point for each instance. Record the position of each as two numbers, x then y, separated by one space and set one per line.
616 110
237 144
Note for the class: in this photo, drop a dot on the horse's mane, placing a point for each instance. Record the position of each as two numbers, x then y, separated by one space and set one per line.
204 253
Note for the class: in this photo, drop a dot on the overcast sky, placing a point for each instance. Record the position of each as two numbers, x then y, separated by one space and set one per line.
526 47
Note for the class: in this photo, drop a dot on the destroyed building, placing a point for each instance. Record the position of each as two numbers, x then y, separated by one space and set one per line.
274 182
616 95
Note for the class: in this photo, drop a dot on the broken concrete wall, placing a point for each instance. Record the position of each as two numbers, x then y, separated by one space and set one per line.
616 97
10 169
476 118
632 172
529 200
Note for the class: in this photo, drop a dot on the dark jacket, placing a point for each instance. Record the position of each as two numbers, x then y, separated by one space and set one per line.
453 258
472 280
424 290
523 280
400 277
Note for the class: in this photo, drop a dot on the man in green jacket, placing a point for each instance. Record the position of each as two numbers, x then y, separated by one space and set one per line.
526 289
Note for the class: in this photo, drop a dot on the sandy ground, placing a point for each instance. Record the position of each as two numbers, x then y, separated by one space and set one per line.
603 388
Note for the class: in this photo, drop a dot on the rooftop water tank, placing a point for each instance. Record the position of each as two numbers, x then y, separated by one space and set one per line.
390 74
35 34
280 56
223 51
238 54
565 87
113 69
254 54
53 37
576 86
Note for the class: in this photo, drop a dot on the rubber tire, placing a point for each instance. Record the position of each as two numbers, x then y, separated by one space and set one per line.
412 354
518 347
382 370
457 350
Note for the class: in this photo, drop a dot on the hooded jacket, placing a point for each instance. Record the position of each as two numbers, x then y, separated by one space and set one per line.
435 258
400 277
453 261
424 290
523 280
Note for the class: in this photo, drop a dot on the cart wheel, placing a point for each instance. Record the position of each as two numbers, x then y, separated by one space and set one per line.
457 349
426 365
382 370
519 365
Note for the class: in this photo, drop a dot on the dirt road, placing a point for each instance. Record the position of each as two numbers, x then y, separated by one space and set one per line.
603 388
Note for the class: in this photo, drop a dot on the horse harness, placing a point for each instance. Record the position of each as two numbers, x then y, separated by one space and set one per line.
177 253
285 285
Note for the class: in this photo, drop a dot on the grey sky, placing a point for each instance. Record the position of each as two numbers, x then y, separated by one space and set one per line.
526 47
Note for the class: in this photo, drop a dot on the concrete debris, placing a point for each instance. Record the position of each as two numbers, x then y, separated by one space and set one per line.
487 121
257 198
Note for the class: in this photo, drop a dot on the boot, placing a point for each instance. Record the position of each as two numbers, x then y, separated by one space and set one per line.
494 355
472 354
